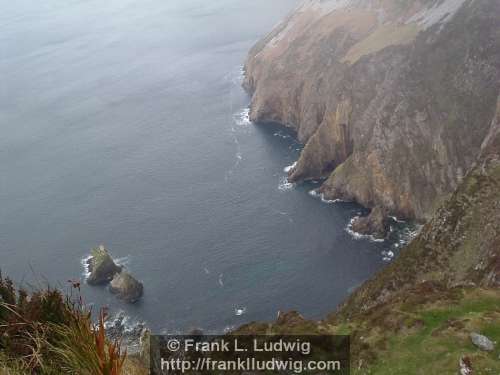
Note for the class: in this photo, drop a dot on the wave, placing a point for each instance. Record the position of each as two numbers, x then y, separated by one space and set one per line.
129 331
243 118
122 262
85 265
285 185
387 255
240 311
316 194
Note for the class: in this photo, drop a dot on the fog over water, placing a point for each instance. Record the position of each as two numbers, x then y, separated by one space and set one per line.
123 123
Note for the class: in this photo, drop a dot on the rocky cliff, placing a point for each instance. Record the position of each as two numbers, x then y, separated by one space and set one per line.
392 98
459 246
433 308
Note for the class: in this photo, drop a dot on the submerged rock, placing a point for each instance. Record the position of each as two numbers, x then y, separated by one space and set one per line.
126 287
129 333
482 342
101 266
375 224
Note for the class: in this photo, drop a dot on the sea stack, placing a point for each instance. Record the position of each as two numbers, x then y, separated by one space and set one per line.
101 266
126 287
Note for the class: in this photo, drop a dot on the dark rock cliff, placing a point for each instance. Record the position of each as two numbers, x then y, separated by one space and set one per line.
393 99
459 246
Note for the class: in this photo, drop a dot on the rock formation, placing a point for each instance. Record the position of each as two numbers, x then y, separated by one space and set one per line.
126 287
103 270
392 99
398 104
101 266
459 246
376 223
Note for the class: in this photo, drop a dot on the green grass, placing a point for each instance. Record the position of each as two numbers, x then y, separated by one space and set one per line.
443 339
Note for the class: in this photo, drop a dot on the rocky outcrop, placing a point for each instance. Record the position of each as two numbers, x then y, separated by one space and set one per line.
392 99
376 223
126 287
101 267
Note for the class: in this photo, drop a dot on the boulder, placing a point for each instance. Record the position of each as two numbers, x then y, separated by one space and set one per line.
126 287
482 342
101 266
375 223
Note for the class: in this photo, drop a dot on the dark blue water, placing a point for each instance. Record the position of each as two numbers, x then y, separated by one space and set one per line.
122 124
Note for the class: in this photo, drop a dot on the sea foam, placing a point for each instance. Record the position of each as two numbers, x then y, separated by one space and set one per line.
290 167
316 194
243 118
285 185
360 236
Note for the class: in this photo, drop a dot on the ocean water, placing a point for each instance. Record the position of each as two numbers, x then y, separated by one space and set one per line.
124 124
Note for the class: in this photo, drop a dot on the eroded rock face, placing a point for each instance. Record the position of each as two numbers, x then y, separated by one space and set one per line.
460 246
126 287
101 266
392 99
376 223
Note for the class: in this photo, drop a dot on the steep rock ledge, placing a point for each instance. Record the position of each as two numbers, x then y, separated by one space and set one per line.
393 100
460 246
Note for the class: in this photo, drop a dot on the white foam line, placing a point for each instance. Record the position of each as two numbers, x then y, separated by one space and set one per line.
315 194
359 236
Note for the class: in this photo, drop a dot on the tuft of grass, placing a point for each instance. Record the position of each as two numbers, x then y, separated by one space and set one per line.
81 347
49 333
443 337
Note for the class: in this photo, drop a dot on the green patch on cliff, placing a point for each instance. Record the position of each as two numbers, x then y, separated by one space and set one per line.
432 338
385 36
99 255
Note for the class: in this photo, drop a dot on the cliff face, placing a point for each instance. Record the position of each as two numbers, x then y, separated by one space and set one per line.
460 246
417 315
393 99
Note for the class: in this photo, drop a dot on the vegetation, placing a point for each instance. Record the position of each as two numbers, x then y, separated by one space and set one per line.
420 331
50 333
